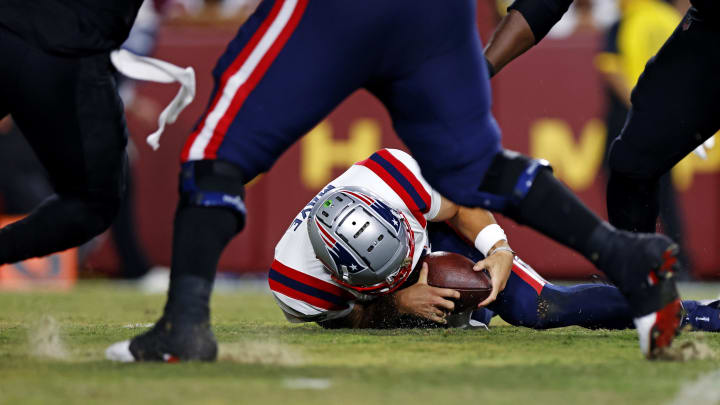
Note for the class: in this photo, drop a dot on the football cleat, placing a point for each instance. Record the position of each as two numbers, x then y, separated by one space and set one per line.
657 330
120 352
643 267
167 342
655 302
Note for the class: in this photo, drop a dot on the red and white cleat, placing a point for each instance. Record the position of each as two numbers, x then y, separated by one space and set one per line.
657 330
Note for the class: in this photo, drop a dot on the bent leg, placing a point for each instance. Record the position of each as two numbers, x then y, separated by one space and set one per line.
593 306
69 111
531 301
528 300
287 68
441 104
133 259
278 78
674 110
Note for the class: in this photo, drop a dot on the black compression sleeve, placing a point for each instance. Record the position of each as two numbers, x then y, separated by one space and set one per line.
541 15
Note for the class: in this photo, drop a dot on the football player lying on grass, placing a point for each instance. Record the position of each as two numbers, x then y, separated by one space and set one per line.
350 259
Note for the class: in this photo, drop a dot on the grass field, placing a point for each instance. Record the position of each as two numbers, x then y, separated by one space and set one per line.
265 360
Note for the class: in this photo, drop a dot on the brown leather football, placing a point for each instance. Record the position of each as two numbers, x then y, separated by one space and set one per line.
451 270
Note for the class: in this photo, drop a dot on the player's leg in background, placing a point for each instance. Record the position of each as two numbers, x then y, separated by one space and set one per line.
291 63
675 109
23 180
132 256
671 215
441 109
69 111
531 301
593 306
702 315
587 305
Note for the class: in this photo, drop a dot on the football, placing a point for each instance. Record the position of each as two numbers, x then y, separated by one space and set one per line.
451 270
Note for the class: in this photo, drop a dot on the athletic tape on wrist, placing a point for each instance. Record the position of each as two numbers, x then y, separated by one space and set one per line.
488 237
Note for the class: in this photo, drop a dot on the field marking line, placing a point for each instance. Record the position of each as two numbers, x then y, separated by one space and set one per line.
704 390
307 383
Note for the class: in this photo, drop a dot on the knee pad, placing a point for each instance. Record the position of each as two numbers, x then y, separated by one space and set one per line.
213 183
509 179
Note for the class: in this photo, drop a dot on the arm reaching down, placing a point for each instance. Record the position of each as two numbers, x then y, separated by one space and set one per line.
511 39
526 24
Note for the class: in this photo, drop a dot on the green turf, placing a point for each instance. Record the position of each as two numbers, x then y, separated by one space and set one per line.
262 357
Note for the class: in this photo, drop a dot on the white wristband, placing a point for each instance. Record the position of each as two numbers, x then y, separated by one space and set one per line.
488 237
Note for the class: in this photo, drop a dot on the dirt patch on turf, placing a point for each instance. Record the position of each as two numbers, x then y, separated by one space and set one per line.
688 351
260 353
44 340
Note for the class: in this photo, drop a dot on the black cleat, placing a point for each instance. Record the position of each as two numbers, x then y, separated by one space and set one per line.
169 343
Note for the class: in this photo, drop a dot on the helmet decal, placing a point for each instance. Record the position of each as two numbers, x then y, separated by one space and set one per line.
387 214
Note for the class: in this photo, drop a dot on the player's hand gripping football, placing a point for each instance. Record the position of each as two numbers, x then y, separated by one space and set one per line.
499 264
426 301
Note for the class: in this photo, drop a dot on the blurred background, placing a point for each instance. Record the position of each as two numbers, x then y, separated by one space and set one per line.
563 101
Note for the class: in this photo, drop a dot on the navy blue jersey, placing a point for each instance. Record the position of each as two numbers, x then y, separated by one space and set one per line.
76 27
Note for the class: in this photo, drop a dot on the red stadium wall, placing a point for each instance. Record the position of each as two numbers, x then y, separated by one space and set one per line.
549 104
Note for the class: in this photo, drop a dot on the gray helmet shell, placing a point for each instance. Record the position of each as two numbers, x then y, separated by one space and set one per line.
358 237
